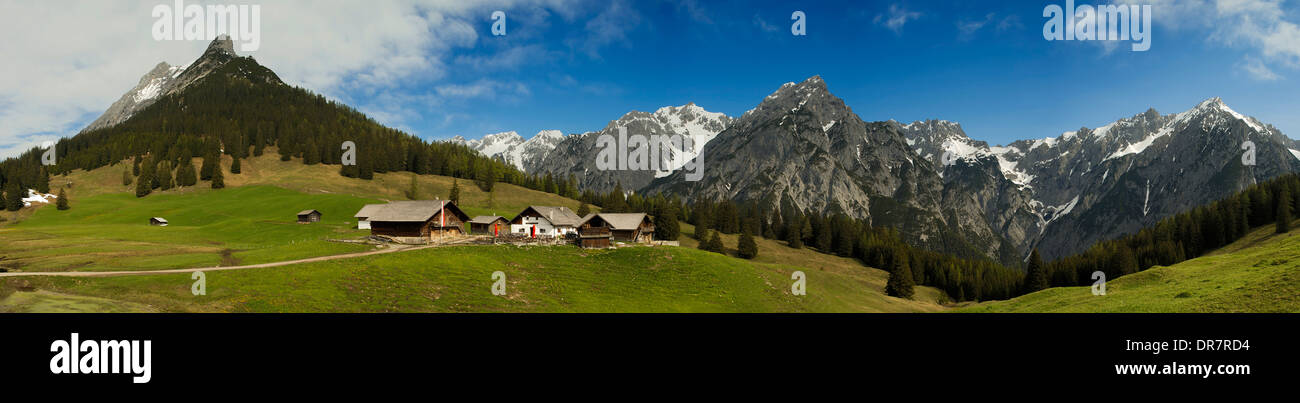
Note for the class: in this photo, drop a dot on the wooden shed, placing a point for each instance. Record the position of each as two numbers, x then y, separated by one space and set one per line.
489 225
308 216
418 221
594 232
158 222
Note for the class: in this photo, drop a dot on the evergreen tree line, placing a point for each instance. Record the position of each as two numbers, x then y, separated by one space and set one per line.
229 115
964 279
1184 236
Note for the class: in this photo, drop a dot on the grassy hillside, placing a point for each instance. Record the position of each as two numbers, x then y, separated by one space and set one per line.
1257 273
459 279
253 222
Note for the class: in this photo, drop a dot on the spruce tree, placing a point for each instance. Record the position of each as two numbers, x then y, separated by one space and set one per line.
235 167
703 221
211 163
218 180
666 227
454 196
63 200
1284 211
747 248
144 183
186 175
794 233
900 283
165 176
413 193
585 209
1036 274
14 196
715 243
126 178
4 203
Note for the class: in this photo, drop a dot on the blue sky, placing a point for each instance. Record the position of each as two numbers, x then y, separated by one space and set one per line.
984 64
432 67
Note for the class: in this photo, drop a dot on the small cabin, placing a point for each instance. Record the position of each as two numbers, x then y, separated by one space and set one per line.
489 225
418 221
158 222
594 232
600 230
308 216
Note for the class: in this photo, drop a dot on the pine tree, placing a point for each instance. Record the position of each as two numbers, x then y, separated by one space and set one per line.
585 209
454 196
14 196
666 227
186 175
794 233
144 183
413 193
63 200
4 203
235 167
135 166
211 163
900 283
703 221
715 243
218 180
1284 211
747 248
126 178
165 176
1036 274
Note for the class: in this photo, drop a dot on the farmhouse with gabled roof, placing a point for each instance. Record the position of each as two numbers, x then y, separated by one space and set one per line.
545 221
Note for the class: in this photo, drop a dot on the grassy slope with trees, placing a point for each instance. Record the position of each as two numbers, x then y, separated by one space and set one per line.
106 229
1257 273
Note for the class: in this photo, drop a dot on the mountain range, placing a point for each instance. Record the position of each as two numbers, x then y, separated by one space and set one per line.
804 149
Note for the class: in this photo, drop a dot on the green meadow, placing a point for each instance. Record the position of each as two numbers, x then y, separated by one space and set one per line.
1258 273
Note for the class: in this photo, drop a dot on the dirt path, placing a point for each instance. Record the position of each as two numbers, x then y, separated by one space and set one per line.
390 249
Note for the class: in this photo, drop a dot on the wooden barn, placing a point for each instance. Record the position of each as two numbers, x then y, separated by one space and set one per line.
363 215
418 221
158 222
594 232
489 225
308 216
602 229
545 222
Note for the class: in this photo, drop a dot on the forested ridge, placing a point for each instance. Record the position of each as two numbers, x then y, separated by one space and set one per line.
241 109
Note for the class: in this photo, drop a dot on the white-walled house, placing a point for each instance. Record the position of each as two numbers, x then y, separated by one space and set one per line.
545 222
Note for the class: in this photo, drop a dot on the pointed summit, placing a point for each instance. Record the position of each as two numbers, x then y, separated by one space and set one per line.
222 44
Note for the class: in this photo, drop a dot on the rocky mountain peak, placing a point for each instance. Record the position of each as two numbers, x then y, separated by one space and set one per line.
222 44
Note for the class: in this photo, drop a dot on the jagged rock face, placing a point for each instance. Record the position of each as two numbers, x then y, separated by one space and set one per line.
804 149
577 155
512 149
1071 191
166 79
1176 163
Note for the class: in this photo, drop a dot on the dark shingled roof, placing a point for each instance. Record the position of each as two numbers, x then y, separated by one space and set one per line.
619 221
414 211
486 219
558 216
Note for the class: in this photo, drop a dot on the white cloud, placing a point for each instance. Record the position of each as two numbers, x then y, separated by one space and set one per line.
1261 26
763 25
968 27
1256 69
65 62
896 18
